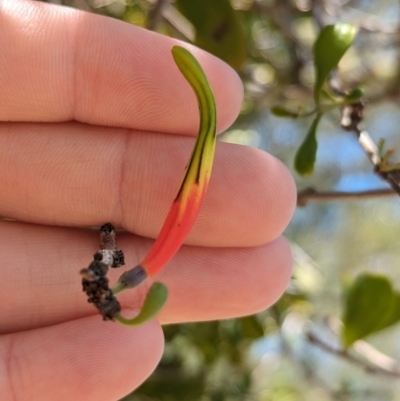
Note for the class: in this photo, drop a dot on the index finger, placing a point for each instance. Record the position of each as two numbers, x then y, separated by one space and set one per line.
60 64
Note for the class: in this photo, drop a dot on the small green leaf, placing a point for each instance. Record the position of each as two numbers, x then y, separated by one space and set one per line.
330 46
155 300
218 29
394 315
354 95
307 152
280 111
369 306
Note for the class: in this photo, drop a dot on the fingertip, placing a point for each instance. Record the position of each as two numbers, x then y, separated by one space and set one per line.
271 282
286 194
228 93
101 71
256 188
225 283
121 358
234 91
94 360
272 196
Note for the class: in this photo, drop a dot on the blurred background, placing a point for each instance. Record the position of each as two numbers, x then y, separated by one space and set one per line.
293 351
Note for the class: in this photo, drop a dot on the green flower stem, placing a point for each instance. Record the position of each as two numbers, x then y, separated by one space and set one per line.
118 288
154 302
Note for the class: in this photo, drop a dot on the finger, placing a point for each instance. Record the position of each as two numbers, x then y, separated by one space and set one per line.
59 64
223 284
41 285
75 174
84 359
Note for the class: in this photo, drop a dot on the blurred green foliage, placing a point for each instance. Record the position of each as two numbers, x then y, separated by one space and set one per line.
204 361
218 29
289 55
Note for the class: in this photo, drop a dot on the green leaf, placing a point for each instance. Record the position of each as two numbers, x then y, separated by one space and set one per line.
354 95
155 300
307 153
369 306
280 111
394 315
218 29
330 46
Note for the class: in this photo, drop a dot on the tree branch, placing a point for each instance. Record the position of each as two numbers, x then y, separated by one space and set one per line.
352 116
369 359
351 119
373 368
155 14
308 372
311 194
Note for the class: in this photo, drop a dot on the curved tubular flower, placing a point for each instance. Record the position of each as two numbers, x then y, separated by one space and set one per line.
178 222
193 188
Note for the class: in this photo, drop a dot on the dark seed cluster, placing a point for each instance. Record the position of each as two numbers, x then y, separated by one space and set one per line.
94 277
95 285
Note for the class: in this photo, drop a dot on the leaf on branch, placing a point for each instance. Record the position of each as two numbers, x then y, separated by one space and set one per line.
371 306
330 46
218 29
307 153
394 315
280 111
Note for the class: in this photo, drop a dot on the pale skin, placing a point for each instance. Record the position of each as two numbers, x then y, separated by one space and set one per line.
97 124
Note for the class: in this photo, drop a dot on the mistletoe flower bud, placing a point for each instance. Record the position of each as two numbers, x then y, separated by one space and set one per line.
177 225
193 188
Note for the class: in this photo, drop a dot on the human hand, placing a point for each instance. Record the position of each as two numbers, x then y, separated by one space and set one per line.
97 125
